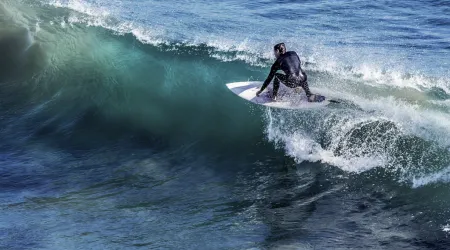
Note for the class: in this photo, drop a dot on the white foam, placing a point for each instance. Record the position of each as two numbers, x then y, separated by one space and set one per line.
441 176
411 118
81 6
377 75
442 103
303 148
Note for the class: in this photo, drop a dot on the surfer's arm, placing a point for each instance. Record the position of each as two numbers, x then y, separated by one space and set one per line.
269 78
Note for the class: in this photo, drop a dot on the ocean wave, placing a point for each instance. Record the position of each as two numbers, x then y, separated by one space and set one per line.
159 87
250 51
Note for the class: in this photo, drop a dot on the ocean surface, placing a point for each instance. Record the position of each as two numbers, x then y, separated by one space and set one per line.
117 130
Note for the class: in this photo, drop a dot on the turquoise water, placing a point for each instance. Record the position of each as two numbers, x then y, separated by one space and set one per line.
117 130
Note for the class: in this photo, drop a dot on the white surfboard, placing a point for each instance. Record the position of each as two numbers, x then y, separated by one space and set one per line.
287 98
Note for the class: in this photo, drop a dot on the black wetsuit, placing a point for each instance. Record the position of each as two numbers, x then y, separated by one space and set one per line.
293 76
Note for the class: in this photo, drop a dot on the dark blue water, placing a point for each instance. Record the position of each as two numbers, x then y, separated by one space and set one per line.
117 130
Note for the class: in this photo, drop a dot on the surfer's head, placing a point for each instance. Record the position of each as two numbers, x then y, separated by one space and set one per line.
279 49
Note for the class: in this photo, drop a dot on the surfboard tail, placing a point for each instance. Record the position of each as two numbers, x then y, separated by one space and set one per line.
317 98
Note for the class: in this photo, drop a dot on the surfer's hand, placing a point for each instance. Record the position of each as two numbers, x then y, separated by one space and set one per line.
258 93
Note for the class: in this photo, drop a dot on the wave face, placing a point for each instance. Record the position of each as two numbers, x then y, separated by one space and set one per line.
118 109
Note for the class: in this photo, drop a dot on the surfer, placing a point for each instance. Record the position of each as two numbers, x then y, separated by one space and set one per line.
294 76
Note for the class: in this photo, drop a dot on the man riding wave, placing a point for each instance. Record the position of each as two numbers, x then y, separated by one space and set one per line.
294 76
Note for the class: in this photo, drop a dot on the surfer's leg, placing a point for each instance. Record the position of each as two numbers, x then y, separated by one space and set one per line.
276 86
276 83
292 82
305 87
311 97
